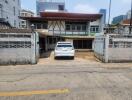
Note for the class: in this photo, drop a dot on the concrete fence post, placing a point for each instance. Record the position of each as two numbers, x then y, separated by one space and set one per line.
107 48
33 49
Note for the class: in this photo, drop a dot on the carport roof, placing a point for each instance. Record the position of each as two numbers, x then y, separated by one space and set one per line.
79 37
64 16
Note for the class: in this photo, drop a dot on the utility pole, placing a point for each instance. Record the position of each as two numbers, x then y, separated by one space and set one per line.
109 16
130 28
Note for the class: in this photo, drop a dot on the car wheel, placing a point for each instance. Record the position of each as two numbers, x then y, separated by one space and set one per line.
55 58
73 58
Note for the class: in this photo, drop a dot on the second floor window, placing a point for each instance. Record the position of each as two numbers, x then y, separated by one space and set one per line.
94 29
76 27
61 7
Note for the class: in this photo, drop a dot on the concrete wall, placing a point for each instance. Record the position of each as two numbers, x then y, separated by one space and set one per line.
120 54
99 47
118 50
17 56
19 49
94 23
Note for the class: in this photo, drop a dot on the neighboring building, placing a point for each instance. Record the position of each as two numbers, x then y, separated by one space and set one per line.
128 14
4 24
63 26
10 11
50 6
118 19
125 27
103 11
25 13
103 19
111 29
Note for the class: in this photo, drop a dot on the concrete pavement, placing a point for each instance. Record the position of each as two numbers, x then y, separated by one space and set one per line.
85 80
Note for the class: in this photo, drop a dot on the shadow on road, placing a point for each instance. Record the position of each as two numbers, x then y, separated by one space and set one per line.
64 58
46 54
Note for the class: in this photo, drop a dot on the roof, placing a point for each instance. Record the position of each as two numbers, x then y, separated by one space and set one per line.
12 30
27 11
125 22
64 16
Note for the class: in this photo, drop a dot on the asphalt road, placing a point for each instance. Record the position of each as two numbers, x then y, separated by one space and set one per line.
71 81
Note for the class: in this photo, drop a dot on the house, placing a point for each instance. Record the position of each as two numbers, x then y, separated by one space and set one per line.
125 27
80 29
25 13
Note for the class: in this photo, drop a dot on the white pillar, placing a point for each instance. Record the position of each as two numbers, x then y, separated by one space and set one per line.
88 28
107 48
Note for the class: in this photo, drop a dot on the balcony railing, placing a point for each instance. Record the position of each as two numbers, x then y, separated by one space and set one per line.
70 33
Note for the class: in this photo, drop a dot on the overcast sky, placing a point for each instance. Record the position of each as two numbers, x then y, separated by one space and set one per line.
87 6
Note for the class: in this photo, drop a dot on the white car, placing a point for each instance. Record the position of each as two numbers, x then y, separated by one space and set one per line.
64 49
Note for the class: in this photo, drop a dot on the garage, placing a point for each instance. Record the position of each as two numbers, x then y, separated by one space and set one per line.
82 44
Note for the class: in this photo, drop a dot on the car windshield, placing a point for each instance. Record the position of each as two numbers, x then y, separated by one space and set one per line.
64 46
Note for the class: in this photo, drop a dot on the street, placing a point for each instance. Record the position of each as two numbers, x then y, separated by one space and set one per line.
65 50
66 80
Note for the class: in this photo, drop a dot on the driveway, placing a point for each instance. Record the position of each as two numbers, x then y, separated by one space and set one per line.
80 58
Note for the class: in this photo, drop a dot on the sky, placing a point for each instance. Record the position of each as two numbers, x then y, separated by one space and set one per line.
119 7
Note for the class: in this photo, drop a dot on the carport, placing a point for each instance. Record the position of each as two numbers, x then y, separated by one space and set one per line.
81 42
47 42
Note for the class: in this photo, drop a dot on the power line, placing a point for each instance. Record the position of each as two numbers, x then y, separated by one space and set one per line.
109 12
130 30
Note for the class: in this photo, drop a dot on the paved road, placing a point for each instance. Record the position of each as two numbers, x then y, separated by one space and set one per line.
70 81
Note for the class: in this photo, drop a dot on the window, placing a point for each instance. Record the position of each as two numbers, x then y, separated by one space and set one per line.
83 27
73 27
68 28
23 22
38 26
6 1
45 26
78 28
94 29
19 12
61 7
14 23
